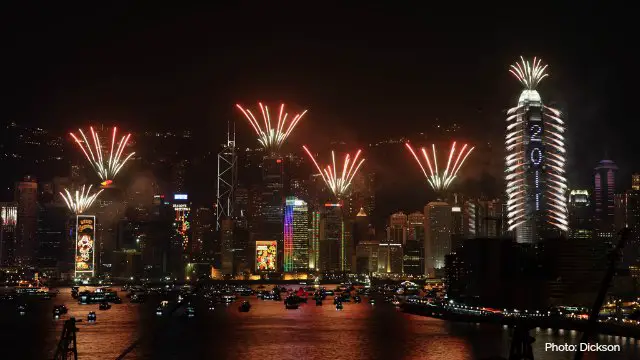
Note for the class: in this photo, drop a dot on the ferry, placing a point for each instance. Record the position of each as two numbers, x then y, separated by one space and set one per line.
36 291
228 298
87 297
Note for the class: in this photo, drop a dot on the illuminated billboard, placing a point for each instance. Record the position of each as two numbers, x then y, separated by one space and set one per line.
266 255
180 197
85 245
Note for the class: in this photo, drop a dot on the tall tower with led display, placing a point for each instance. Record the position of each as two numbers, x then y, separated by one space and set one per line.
535 162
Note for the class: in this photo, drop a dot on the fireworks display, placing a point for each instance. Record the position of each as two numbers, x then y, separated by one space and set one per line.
81 200
107 165
441 180
269 137
529 74
338 181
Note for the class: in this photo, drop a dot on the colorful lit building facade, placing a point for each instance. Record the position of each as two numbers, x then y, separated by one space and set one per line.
296 235
314 240
182 208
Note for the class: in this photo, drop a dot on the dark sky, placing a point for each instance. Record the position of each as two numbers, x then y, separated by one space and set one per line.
362 71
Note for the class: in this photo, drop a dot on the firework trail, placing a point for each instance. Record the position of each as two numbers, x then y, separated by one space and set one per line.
338 181
269 137
107 165
81 200
441 180
529 74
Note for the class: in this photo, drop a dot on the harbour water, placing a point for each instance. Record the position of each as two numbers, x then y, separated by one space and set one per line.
360 331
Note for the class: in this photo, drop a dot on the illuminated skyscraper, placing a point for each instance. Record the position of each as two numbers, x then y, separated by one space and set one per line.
361 228
8 221
390 258
413 254
331 238
272 202
415 223
535 162
182 221
398 228
437 226
631 251
296 235
203 229
580 215
227 180
314 238
226 246
635 182
26 195
604 193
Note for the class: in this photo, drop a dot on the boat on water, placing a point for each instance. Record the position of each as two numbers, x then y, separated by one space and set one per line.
34 291
295 299
138 298
104 306
357 299
244 307
339 306
97 297
59 310
291 306
191 310
22 309
91 317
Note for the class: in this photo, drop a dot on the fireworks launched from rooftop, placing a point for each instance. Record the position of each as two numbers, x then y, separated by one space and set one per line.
338 181
529 74
81 200
271 138
438 178
107 165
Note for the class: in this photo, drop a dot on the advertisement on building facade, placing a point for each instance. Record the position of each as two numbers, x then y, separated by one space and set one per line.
85 245
266 255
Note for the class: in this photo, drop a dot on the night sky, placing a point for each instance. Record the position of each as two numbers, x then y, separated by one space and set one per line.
363 72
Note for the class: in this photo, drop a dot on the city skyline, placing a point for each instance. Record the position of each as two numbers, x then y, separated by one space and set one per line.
370 169
536 176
